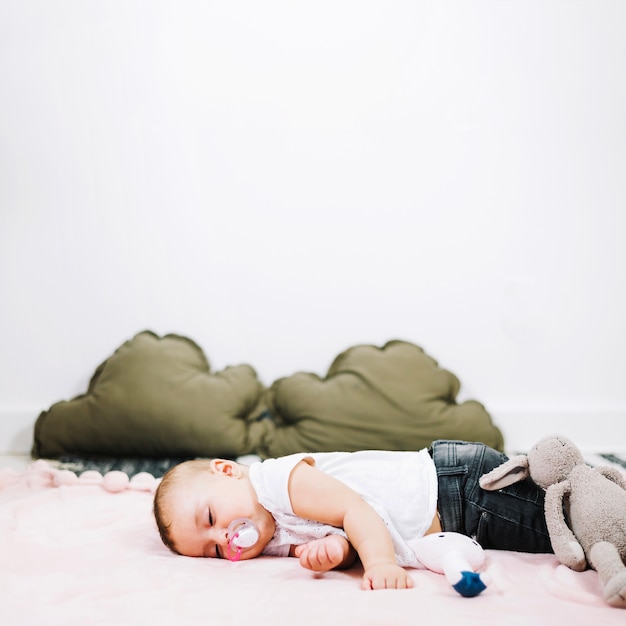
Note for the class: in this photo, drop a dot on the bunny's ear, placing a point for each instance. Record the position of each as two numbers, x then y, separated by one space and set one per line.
511 471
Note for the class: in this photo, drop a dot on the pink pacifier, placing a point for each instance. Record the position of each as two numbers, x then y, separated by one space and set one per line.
242 533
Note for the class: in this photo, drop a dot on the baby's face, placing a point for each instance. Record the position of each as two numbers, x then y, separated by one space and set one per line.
203 507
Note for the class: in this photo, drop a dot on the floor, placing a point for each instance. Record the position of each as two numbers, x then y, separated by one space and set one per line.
19 462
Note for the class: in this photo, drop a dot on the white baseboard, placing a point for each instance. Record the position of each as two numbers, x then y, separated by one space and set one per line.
16 429
592 431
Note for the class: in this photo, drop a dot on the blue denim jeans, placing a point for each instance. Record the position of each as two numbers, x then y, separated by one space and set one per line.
511 518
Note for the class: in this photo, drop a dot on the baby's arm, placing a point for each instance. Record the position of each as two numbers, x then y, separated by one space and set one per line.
318 496
322 555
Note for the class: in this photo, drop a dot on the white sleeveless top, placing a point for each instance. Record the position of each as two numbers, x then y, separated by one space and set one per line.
400 486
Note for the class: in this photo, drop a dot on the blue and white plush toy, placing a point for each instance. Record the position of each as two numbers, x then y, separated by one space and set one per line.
456 556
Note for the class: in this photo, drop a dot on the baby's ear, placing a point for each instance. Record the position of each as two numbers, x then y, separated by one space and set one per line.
224 466
512 471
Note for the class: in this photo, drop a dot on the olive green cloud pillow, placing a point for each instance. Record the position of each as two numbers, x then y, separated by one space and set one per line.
157 397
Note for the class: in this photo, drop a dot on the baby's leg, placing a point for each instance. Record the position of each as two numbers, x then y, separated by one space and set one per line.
322 555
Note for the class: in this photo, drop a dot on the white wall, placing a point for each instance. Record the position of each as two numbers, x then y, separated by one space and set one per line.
280 180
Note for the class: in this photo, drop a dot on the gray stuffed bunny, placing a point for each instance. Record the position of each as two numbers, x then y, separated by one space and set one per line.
595 504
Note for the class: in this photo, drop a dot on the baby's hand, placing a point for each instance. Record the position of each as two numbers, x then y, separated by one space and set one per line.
386 576
322 555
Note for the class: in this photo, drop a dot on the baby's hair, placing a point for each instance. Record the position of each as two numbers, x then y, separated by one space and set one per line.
170 481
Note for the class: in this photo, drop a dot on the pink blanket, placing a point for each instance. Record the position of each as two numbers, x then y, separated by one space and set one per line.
81 555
